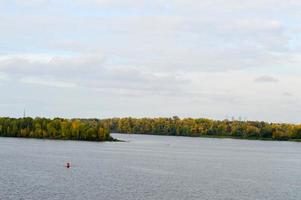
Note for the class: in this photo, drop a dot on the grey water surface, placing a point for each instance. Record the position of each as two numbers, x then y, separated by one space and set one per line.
151 168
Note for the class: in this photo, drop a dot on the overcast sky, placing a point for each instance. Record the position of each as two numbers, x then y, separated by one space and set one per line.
115 58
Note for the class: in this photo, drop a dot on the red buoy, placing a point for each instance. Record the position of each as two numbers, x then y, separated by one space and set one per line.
68 165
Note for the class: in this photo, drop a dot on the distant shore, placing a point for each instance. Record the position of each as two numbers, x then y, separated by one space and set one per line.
201 127
100 129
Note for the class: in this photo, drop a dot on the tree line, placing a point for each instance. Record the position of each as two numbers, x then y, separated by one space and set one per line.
99 129
58 128
205 127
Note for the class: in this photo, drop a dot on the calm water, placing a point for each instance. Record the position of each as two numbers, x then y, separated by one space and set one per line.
150 167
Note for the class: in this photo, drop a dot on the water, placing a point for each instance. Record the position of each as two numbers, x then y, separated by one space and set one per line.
150 167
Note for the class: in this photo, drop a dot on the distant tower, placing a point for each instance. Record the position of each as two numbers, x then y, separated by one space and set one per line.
24 113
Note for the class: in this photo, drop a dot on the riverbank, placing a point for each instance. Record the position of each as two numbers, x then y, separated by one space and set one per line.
57 128
253 130
215 137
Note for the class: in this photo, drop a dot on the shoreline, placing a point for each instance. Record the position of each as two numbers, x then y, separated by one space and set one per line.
216 137
60 139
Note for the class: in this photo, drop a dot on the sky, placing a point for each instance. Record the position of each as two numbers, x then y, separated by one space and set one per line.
114 58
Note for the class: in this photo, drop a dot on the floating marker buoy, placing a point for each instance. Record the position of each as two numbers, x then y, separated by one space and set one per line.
68 165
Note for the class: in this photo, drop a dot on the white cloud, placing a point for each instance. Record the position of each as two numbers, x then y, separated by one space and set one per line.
46 81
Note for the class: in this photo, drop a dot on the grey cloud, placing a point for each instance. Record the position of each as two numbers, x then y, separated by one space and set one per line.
89 72
266 79
288 94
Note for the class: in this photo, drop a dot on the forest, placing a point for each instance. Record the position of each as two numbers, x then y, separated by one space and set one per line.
205 127
100 129
57 128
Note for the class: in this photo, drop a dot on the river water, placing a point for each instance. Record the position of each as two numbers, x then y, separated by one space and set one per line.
151 168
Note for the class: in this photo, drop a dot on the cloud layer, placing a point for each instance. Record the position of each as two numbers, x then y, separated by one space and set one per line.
100 58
